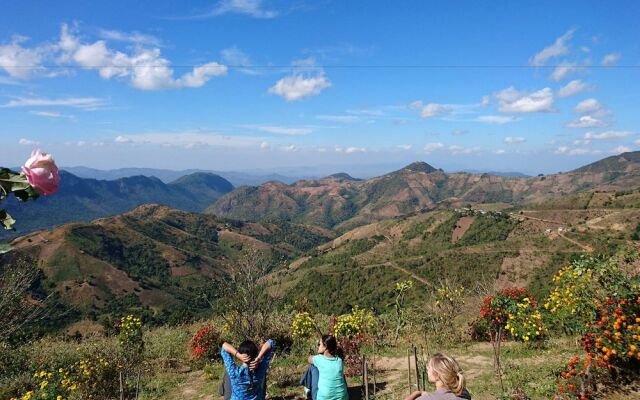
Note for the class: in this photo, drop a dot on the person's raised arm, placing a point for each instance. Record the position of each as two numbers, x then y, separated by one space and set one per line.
265 348
232 350
265 352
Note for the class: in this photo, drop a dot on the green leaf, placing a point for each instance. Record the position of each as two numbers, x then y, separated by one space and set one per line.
6 220
26 194
12 181
5 248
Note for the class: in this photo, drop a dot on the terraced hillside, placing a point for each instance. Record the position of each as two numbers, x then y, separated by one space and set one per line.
474 249
343 204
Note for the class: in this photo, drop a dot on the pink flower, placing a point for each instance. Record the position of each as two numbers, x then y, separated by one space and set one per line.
42 173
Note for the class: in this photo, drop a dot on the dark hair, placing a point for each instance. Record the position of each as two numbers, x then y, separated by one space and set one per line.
331 344
249 348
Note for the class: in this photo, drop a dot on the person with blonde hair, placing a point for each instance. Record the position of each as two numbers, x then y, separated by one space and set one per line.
447 376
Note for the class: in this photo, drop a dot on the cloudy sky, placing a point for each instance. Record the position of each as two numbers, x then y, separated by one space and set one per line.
530 86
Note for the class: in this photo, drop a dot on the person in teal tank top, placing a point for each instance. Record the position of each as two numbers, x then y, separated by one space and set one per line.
331 382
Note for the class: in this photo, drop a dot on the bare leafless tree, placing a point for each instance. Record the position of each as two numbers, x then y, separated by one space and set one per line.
18 307
246 301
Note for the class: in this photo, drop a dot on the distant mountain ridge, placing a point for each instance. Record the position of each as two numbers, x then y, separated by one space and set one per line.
81 199
167 175
343 204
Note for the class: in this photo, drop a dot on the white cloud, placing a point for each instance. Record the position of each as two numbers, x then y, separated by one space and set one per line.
130 37
50 114
350 150
82 143
457 150
338 118
573 88
459 132
607 135
265 146
404 146
496 119
587 121
239 59
200 75
620 149
514 139
76 102
122 139
299 85
142 65
22 62
366 112
145 68
589 106
514 101
595 115
28 142
252 8
610 59
572 152
563 70
557 49
431 147
499 152
190 139
433 110
281 130
290 148
486 100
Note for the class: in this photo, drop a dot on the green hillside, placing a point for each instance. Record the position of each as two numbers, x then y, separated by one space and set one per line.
164 262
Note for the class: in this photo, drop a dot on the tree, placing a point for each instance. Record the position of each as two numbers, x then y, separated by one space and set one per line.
246 301
18 307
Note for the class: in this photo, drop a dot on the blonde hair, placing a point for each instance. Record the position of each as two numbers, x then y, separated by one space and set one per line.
449 372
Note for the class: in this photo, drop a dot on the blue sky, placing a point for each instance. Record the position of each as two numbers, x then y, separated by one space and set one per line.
320 86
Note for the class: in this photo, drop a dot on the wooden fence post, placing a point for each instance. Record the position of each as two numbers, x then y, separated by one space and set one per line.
415 356
409 368
365 377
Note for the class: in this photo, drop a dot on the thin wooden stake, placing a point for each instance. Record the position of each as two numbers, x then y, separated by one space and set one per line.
365 378
375 383
409 368
121 386
424 372
137 384
415 356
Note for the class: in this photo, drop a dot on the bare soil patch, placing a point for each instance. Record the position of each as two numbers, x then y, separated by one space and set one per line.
462 226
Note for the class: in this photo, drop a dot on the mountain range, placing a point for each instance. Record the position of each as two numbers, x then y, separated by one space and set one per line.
82 199
345 203
166 175
168 263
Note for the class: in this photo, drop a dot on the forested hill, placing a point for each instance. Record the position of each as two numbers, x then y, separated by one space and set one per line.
154 258
80 199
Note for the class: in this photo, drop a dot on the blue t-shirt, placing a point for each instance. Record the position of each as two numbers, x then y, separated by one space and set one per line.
239 376
331 384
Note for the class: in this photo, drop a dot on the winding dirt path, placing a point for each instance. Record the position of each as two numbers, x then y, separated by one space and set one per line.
583 246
